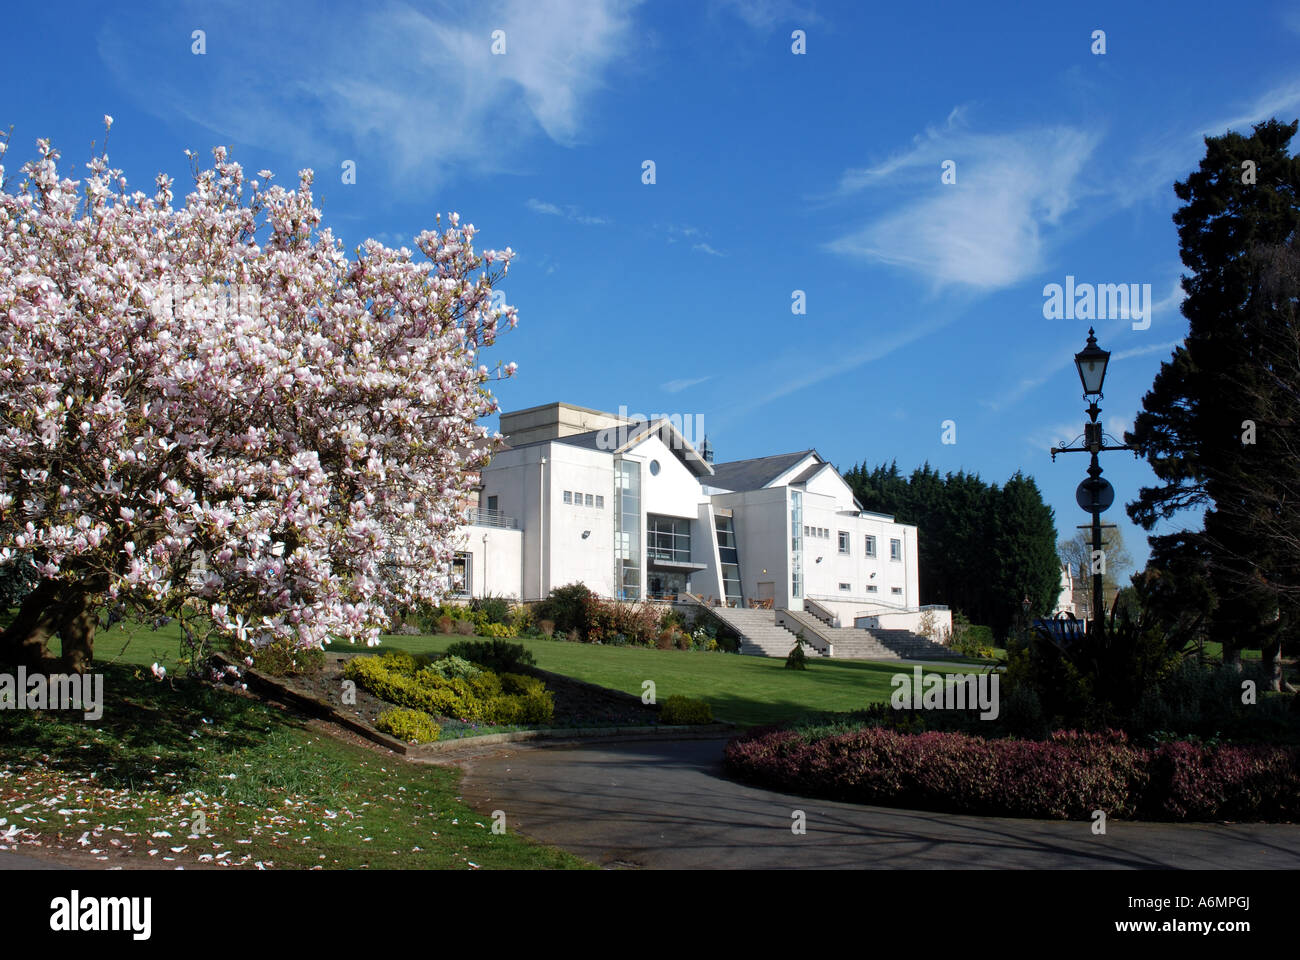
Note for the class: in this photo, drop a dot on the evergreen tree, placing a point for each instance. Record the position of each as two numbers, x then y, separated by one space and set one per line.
1023 554
981 548
1239 204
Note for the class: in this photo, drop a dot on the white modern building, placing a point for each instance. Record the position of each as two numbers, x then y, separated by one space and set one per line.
634 511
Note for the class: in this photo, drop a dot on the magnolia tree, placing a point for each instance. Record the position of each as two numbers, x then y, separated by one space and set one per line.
211 413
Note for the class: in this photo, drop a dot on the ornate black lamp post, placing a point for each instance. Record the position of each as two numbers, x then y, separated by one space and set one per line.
1094 494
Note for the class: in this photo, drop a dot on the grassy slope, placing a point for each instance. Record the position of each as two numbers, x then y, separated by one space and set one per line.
745 690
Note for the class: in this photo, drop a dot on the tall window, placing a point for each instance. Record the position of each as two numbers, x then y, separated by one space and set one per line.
462 570
627 529
668 538
844 542
871 545
730 557
796 543
895 549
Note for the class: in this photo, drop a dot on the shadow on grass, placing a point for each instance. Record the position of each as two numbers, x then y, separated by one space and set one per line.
151 733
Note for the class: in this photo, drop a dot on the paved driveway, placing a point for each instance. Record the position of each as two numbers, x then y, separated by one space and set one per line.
16 861
668 805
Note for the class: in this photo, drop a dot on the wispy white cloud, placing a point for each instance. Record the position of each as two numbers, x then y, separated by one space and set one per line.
674 232
1276 102
1171 154
988 230
1044 438
1143 351
787 382
1050 367
677 386
419 91
568 211
537 206
677 231
763 15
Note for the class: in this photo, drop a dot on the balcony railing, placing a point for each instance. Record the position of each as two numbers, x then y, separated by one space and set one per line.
491 518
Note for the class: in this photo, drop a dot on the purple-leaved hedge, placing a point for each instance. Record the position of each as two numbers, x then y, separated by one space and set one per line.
1065 777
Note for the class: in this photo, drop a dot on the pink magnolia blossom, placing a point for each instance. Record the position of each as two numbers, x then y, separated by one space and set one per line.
214 402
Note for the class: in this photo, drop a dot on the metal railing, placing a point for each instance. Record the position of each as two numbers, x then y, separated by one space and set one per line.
491 518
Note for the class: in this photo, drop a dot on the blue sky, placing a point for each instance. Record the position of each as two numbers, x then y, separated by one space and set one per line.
775 172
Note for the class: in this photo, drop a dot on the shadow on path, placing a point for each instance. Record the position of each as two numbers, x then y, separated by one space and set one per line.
670 805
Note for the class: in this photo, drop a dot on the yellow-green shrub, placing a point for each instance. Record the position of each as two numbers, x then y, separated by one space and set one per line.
485 698
521 684
486 684
413 726
679 710
501 630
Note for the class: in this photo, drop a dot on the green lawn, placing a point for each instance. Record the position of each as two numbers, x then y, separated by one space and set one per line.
271 790
744 690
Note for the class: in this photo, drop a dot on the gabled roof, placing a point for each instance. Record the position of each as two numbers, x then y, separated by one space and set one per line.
808 472
620 438
741 475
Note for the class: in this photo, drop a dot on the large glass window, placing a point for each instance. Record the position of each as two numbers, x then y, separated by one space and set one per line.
627 530
729 555
668 538
796 543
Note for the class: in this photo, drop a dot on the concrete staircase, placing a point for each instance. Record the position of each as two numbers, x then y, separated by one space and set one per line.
909 646
771 633
851 643
759 634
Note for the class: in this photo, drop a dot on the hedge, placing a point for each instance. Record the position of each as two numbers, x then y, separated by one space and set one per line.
1065 777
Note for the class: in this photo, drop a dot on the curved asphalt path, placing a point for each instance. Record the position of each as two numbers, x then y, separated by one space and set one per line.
668 804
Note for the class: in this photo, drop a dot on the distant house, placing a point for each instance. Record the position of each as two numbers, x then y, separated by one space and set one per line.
1065 600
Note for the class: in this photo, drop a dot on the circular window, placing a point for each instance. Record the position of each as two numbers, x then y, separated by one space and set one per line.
654 468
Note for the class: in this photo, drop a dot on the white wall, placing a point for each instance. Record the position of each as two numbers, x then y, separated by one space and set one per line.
704 549
497 566
906 621
572 557
762 524
855 568
675 492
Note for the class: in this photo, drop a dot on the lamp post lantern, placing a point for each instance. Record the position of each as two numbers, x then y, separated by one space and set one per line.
1094 495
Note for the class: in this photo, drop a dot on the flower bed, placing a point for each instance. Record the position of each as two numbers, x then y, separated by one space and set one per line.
577 705
483 697
1067 776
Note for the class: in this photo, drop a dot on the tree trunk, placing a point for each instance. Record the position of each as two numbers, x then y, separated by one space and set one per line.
26 641
77 623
